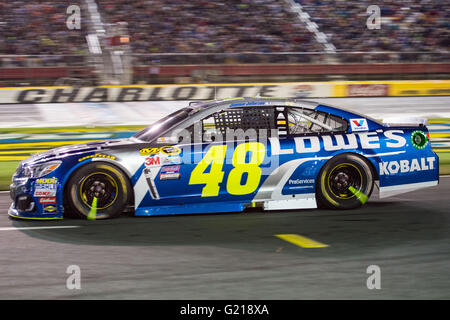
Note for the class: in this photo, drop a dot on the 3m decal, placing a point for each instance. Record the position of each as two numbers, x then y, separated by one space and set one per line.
404 166
153 161
161 160
359 125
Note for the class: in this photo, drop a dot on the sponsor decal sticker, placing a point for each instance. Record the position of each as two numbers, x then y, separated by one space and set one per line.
149 151
367 140
367 90
247 104
153 161
170 173
47 180
419 139
405 166
161 160
47 200
45 187
49 209
97 155
301 181
169 150
359 124
303 91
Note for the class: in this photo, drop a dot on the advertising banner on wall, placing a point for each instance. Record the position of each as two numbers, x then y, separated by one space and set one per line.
31 95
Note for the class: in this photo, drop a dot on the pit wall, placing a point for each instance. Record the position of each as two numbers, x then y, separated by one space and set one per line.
208 91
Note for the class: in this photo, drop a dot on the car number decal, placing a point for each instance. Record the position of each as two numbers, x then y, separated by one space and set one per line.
216 156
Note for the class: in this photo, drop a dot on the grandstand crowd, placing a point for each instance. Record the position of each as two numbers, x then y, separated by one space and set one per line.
231 26
406 25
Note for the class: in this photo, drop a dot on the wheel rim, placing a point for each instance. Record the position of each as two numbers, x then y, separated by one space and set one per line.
101 186
342 177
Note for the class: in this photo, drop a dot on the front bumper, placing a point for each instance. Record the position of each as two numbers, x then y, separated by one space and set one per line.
26 206
14 213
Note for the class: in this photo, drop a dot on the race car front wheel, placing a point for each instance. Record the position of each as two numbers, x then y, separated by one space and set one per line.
97 191
345 182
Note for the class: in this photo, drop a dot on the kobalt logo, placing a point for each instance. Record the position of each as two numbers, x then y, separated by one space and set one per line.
403 166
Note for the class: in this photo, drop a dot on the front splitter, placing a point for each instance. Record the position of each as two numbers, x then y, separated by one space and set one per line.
14 213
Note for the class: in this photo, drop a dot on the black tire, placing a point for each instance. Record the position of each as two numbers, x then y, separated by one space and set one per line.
100 180
338 175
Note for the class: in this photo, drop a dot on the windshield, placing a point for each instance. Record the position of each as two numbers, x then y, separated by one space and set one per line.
154 130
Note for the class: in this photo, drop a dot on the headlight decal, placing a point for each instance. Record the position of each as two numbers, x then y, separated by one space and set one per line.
37 171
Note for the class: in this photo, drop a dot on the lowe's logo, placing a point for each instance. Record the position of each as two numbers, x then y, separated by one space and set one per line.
404 166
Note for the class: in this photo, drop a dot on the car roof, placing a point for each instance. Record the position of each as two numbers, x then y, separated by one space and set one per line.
243 102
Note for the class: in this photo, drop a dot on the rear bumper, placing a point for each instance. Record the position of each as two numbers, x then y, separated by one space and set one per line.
403 188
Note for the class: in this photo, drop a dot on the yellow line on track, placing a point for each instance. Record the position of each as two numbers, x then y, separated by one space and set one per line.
16 152
438 121
13 158
301 241
69 129
440 135
40 144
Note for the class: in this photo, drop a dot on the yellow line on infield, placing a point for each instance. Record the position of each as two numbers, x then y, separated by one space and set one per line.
440 135
17 152
9 146
301 241
13 158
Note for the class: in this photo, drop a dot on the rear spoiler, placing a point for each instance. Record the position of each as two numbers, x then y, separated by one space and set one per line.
405 121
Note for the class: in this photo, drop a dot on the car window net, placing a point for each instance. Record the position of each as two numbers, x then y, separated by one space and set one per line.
250 118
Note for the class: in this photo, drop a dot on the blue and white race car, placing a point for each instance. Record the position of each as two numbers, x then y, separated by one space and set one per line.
228 155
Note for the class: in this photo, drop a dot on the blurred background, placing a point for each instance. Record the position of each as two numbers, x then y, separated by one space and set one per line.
93 42
84 70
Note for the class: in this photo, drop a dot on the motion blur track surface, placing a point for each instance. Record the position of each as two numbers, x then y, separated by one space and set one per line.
237 256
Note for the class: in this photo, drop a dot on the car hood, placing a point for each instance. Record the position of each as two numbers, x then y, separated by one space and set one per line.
62 152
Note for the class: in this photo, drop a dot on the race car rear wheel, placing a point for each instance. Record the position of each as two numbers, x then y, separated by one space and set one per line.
345 182
97 190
